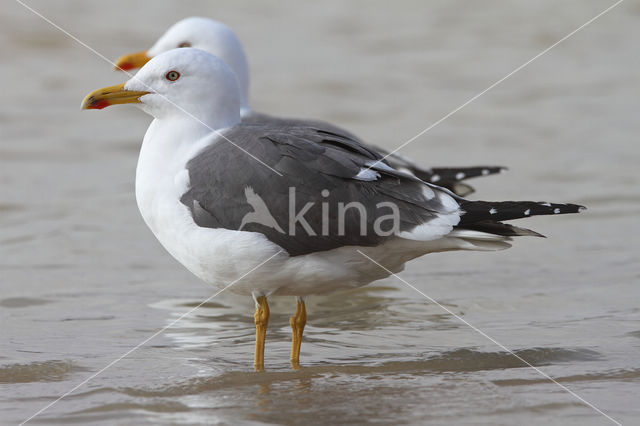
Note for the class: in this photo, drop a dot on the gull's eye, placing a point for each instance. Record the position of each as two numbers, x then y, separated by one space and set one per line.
184 44
172 75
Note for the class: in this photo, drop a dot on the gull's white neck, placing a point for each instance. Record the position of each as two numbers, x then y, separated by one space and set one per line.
161 177
169 143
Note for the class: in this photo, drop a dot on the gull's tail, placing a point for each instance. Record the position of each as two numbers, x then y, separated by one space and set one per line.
487 216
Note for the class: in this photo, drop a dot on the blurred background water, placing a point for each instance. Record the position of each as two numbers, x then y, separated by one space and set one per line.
82 280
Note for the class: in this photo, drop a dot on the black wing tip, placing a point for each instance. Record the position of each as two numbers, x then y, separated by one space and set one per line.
563 208
531 233
438 175
490 170
475 211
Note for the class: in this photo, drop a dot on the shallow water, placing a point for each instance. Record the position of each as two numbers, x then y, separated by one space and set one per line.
83 281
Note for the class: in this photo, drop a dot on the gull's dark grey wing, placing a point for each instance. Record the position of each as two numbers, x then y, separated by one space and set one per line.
322 173
348 139
447 177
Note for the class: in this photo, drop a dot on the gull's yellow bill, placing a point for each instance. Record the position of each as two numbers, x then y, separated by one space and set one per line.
112 95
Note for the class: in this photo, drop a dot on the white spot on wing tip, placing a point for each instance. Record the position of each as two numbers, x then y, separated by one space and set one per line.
380 165
493 211
428 192
367 175
435 178
527 212
581 209
485 172
460 175
556 211
546 204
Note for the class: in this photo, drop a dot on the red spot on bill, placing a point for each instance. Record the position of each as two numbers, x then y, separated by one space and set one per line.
98 104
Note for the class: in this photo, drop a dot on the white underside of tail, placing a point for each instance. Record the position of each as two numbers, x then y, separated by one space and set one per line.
477 240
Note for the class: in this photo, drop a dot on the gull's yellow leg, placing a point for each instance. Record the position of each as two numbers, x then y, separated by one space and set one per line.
262 319
298 321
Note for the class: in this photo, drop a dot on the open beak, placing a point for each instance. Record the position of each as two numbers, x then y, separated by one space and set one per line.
112 95
132 61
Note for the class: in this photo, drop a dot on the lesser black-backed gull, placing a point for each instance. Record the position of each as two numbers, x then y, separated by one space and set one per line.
317 200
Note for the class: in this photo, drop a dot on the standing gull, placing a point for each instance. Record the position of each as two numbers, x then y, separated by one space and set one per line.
219 40
326 202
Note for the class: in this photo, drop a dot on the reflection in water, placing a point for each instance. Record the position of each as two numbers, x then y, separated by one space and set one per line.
360 310
262 396
457 361
221 328
321 394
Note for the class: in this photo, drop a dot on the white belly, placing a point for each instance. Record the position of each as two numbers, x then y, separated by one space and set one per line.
221 257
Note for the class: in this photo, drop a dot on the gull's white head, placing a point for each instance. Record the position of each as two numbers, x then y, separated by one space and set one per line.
181 83
201 33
